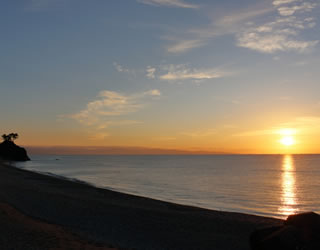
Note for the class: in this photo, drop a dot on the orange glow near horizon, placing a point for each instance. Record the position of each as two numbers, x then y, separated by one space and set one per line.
268 139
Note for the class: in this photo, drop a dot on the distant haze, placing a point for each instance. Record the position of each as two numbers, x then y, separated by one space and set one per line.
63 150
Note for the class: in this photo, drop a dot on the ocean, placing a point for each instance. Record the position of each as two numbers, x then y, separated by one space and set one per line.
266 185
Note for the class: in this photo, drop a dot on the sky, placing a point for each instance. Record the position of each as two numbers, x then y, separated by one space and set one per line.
205 76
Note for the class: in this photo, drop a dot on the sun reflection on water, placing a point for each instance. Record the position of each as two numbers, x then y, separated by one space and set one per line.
288 192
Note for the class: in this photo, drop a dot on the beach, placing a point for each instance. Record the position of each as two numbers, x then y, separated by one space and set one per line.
45 212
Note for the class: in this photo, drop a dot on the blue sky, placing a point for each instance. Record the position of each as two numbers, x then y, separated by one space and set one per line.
160 73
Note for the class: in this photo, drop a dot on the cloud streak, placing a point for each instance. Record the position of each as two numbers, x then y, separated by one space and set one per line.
182 72
170 3
109 106
176 72
281 2
199 37
185 45
151 72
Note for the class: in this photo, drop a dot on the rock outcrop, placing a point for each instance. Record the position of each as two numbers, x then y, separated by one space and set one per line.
300 231
10 151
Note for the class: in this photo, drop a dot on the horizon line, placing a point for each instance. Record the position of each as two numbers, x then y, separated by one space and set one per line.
135 150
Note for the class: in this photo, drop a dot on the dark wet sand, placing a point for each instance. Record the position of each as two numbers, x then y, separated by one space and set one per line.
43 212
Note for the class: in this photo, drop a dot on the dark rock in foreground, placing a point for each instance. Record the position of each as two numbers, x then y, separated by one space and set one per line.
10 151
300 231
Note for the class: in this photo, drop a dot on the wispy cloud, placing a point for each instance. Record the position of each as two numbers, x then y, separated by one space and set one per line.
150 72
170 3
281 34
176 72
99 136
201 36
238 18
273 42
281 2
121 68
109 108
153 92
290 10
185 45
182 72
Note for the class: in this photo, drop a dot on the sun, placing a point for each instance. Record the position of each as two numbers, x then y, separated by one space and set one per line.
287 140
287 136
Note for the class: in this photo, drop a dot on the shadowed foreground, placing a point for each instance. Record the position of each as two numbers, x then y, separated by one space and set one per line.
18 231
106 218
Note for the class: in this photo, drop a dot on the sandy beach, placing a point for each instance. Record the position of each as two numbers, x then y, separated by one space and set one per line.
43 212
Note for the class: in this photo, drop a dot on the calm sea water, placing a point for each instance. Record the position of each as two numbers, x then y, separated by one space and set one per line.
269 185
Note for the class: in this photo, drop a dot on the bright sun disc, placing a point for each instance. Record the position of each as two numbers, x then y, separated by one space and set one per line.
287 141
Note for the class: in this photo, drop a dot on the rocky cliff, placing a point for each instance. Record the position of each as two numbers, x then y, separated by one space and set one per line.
10 151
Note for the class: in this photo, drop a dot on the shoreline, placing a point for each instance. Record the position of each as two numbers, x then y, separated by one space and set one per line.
111 218
57 176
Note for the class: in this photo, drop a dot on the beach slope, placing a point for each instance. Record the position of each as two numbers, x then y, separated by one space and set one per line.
105 217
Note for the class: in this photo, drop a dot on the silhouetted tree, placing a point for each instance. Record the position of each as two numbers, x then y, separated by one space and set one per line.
14 136
5 137
10 137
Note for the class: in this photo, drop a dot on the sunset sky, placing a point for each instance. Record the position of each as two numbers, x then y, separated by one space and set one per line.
217 76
